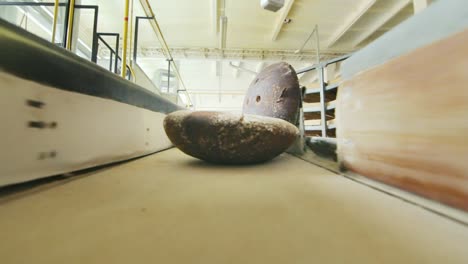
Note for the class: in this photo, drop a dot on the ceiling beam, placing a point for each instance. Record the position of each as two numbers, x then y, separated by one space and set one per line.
350 21
231 54
281 17
397 6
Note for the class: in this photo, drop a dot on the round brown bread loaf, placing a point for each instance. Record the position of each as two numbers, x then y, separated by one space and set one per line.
274 92
228 138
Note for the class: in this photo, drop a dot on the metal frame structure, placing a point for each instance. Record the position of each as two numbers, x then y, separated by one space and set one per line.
237 54
169 73
67 12
135 40
94 49
323 87
54 23
112 52
125 37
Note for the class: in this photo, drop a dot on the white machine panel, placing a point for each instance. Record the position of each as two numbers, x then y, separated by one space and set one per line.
47 131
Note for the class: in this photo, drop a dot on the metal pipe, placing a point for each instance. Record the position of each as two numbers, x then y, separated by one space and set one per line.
317 44
54 24
307 40
168 74
29 4
338 59
65 25
105 42
223 33
71 16
110 61
242 69
323 106
94 49
306 69
132 73
125 40
162 40
135 41
68 18
117 41
117 36
131 31
325 63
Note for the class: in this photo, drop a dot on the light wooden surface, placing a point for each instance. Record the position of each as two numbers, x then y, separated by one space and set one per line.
171 208
405 122
439 20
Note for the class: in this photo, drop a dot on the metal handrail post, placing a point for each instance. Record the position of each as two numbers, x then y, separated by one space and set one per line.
321 75
323 105
111 57
54 23
71 16
125 40
95 39
168 74
135 40
116 51
117 42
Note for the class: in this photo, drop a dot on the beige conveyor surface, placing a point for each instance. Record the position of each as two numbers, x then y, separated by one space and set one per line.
171 208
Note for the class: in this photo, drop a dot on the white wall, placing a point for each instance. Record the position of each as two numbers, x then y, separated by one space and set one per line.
213 85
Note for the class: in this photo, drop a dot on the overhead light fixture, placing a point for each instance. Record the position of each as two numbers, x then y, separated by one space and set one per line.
272 5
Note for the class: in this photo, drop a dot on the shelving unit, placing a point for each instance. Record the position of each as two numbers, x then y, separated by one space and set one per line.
319 100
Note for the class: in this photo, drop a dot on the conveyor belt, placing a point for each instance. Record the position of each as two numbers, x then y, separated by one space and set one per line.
171 208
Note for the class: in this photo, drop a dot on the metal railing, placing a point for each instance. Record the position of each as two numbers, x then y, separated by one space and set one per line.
67 34
68 31
114 57
322 88
181 93
32 4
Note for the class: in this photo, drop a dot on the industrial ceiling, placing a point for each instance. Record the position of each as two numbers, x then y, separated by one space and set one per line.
218 44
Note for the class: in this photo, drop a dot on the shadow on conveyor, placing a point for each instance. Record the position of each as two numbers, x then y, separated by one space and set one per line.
203 164
16 191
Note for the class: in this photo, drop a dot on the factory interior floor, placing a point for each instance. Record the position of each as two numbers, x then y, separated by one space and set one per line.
171 208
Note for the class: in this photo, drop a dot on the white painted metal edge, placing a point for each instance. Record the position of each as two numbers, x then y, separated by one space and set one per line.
441 19
80 131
